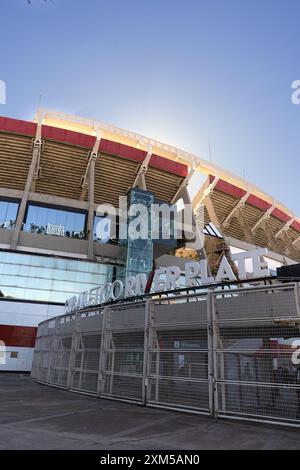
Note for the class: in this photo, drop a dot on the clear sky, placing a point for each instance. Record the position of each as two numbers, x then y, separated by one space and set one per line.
186 72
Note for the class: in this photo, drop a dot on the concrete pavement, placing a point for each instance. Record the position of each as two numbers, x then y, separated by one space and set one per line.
34 416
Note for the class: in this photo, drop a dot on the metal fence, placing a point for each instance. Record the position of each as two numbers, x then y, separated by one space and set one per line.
224 353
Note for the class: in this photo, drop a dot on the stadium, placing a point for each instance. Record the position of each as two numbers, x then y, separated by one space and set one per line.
55 172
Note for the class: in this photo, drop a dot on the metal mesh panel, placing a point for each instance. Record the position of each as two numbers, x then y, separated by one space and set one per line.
254 335
85 354
43 346
227 353
60 358
122 358
278 402
86 362
178 354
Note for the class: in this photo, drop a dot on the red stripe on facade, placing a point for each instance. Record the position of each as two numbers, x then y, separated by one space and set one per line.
68 137
83 140
18 336
279 214
169 166
258 202
122 150
17 126
229 188
296 226
138 155
255 201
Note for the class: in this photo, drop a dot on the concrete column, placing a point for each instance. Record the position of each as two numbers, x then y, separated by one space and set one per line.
22 208
184 194
90 221
140 180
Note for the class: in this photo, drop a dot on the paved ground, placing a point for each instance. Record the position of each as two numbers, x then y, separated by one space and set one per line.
34 416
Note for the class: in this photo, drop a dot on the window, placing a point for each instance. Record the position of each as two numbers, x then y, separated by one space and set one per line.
8 214
34 277
55 221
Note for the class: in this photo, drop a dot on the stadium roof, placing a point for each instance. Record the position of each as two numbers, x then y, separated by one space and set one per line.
240 210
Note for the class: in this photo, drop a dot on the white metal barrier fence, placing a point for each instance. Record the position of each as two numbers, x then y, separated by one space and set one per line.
226 353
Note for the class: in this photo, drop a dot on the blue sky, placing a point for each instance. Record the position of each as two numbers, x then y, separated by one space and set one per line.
185 72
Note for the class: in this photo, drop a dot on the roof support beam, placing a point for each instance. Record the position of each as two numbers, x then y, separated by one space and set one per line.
234 210
182 193
32 173
90 174
285 227
182 190
263 217
212 213
291 249
244 225
297 240
207 190
270 235
198 244
92 156
140 180
90 219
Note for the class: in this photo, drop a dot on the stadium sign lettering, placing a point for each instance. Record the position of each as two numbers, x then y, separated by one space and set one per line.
172 278
53 229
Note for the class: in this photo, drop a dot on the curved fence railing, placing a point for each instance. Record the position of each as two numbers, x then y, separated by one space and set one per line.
227 354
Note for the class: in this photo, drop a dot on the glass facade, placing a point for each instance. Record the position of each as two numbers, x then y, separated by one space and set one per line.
32 277
8 214
55 221
139 257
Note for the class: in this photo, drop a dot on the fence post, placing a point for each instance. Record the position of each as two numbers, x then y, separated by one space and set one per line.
104 347
148 307
99 385
210 346
51 350
297 297
76 331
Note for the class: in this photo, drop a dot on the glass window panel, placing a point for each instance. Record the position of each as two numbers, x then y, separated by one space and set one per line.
60 218
8 214
51 216
70 222
12 209
52 221
42 218
3 210
45 278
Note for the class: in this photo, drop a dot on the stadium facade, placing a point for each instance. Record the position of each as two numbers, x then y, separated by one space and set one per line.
55 172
